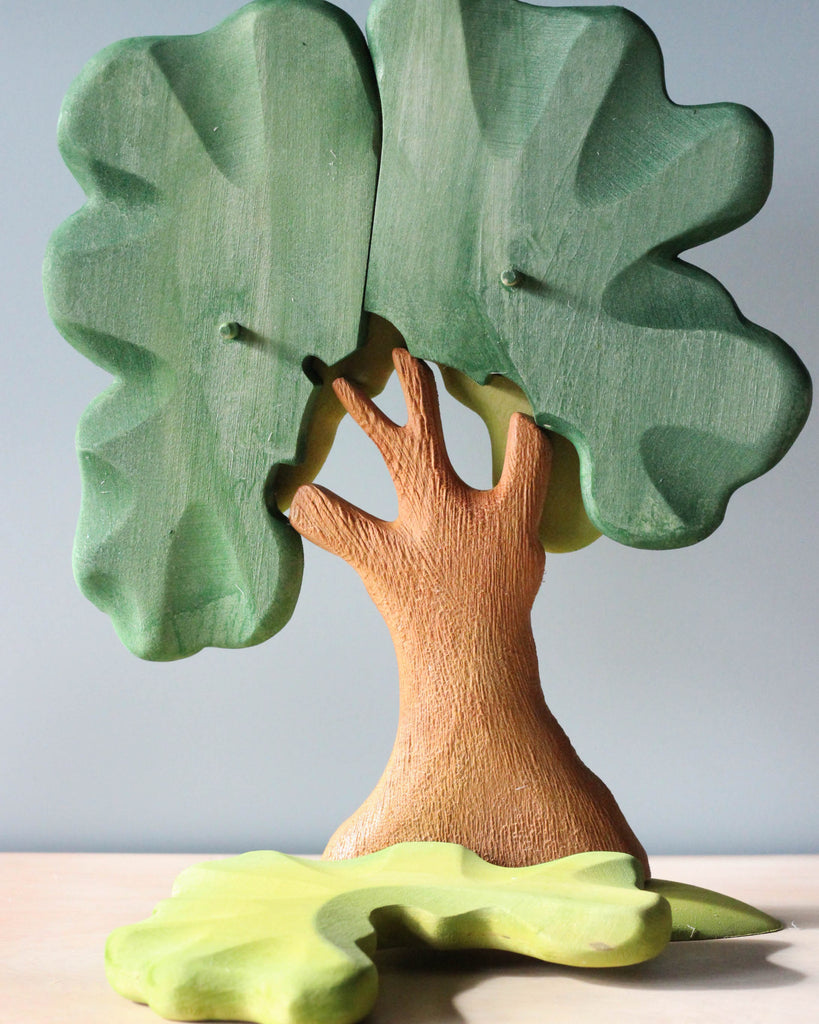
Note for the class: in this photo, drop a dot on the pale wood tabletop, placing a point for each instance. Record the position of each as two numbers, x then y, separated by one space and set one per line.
56 909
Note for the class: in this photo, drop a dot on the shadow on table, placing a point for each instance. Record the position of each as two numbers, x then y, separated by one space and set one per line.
706 966
426 983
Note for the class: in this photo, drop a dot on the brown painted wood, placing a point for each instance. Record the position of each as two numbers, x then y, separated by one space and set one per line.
479 759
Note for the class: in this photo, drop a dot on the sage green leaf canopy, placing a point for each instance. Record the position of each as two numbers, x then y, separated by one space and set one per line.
536 188
230 180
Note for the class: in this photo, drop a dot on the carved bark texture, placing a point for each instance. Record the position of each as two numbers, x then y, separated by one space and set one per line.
478 758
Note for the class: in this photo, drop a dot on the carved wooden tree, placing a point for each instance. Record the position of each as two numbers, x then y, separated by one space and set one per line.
479 759
505 189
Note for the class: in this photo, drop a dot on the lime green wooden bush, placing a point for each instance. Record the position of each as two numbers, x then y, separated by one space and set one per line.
287 940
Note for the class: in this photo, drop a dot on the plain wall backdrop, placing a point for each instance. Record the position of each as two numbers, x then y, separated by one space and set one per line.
686 679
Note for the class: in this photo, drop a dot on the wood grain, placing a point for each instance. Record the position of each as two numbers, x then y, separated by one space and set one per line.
536 147
564 524
230 179
479 759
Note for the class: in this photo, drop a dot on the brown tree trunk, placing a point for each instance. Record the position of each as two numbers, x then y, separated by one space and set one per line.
478 759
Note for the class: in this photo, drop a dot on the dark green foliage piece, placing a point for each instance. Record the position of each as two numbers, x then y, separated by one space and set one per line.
536 188
230 180
702 914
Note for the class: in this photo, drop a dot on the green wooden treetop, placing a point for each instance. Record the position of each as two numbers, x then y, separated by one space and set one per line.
536 186
230 180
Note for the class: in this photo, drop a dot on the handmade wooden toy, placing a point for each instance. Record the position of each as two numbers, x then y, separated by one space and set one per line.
272 222
266 937
231 179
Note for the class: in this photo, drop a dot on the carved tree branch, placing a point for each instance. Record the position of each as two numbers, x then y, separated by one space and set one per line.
478 758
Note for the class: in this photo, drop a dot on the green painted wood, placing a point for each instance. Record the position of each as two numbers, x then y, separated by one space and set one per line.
536 188
698 913
230 180
285 940
369 368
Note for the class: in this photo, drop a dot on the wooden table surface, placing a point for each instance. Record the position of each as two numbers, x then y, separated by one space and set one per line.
56 909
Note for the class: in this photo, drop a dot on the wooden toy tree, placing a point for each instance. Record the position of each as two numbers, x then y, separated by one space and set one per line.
504 191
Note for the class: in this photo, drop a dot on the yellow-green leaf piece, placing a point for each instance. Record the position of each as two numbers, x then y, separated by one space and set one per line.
276 939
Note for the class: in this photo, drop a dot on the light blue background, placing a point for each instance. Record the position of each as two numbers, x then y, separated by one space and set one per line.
686 679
